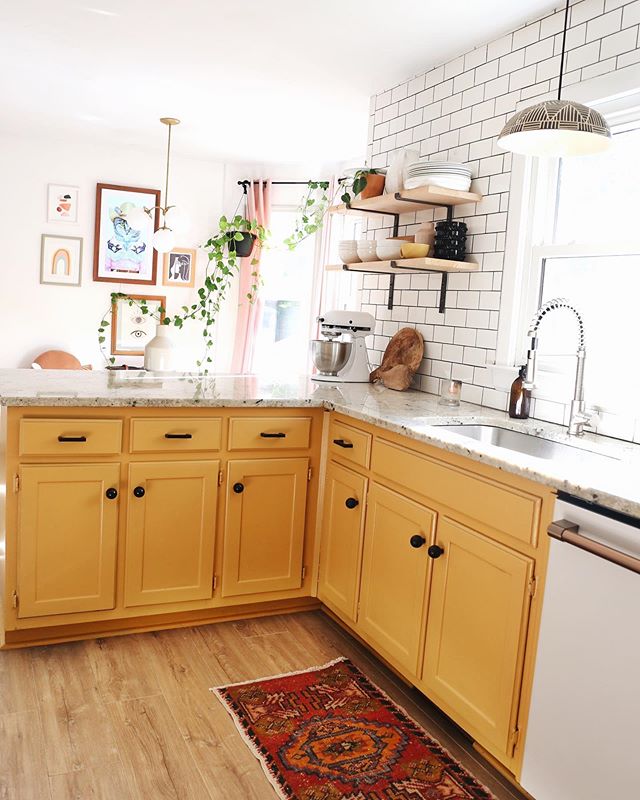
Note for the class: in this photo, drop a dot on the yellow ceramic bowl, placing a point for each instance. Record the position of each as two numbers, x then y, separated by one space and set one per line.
415 250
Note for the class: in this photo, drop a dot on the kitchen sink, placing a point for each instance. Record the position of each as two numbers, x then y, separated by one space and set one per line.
521 442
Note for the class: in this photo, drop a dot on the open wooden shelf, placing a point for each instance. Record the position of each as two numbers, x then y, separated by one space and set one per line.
407 201
404 266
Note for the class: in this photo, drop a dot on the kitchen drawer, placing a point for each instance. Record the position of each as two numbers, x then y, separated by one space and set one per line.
269 433
175 435
76 437
349 444
509 511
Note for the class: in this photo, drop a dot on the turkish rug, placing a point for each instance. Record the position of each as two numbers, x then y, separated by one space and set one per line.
328 733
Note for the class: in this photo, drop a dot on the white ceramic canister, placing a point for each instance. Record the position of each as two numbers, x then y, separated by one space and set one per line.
160 354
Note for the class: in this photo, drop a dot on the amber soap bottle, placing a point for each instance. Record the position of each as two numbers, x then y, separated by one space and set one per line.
520 399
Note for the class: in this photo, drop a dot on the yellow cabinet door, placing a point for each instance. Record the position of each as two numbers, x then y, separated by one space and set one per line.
342 534
478 612
67 538
395 571
264 528
171 524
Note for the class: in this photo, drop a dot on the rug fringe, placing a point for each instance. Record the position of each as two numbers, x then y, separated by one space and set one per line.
282 675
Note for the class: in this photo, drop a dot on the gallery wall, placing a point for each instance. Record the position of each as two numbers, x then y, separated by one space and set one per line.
36 317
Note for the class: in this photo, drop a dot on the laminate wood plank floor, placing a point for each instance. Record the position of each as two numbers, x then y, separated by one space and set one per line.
132 718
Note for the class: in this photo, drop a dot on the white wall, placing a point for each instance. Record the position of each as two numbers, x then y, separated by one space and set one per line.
35 317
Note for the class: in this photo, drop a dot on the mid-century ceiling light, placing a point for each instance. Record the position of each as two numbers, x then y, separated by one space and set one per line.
556 128
173 218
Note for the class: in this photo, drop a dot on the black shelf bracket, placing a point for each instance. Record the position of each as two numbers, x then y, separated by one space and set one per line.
442 304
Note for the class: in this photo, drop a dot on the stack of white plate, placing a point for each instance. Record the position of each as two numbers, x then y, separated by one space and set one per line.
445 174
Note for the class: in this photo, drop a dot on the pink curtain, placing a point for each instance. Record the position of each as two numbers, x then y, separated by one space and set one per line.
250 314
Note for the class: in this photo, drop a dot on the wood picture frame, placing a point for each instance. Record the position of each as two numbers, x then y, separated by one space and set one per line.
174 272
146 321
117 257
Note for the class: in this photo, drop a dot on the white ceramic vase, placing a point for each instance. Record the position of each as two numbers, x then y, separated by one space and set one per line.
160 354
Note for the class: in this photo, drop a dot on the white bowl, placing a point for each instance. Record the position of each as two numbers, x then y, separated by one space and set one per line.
442 181
389 249
367 249
348 253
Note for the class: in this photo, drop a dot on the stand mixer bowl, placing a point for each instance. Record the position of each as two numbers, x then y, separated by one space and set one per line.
330 356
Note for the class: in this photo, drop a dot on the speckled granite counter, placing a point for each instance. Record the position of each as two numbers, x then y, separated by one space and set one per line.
605 471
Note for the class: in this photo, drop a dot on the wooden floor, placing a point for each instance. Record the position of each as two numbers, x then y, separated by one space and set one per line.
131 717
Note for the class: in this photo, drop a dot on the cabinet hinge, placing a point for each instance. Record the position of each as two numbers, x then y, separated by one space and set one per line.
304 573
16 484
515 738
215 582
533 585
309 474
220 477
14 599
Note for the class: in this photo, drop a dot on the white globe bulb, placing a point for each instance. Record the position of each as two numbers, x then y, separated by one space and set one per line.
176 219
137 218
164 240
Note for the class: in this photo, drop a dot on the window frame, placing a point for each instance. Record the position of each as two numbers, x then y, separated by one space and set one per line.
533 203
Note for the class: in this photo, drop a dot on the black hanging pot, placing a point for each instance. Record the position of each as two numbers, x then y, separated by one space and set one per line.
243 248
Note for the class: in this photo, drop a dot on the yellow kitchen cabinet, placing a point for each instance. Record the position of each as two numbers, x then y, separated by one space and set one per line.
264 525
343 527
478 615
395 571
171 523
67 538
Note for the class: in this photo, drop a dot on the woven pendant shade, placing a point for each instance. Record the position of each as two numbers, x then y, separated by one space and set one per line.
556 128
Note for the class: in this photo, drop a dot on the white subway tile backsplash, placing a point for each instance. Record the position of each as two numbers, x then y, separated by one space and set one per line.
456 111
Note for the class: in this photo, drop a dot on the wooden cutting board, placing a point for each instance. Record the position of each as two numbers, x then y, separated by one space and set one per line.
401 360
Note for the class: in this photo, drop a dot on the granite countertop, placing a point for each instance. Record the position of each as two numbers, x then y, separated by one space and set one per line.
604 470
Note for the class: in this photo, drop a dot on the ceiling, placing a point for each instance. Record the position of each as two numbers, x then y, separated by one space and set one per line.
258 80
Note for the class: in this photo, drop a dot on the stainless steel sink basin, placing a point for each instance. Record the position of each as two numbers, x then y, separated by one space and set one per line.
521 442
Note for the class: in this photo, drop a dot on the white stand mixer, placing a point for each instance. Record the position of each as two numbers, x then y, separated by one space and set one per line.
342 355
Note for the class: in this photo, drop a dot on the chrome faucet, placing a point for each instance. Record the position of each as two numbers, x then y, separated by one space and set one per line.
579 416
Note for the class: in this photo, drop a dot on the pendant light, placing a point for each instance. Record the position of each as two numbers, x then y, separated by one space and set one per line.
174 220
556 128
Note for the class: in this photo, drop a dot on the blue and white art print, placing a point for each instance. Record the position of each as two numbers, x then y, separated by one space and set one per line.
124 254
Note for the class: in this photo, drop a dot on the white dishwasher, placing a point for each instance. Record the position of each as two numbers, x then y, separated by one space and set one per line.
583 736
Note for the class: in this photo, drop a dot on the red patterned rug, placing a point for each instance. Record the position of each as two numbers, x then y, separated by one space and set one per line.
329 734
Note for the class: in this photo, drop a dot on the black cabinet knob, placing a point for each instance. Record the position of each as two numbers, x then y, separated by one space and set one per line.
138 491
435 551
351 502
417 540
111 494
238 488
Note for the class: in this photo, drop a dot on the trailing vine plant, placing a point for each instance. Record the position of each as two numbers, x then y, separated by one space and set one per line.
223 263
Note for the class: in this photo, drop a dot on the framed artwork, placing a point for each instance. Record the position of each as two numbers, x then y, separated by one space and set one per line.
179 267
130 328
61 260
123 254
62 203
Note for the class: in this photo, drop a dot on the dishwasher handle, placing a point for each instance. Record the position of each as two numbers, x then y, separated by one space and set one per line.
566 531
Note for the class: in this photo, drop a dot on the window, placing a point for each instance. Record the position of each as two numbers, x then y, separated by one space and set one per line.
585 246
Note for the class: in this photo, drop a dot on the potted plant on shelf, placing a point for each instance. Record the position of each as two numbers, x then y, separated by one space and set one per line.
224 256
364 183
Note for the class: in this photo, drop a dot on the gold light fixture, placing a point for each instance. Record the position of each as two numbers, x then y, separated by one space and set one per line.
556 128
173 218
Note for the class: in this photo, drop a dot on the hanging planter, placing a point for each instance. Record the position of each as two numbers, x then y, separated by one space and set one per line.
241 243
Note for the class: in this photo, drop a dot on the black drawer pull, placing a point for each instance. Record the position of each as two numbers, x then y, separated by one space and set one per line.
72 438
273 435
178 436
342 443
